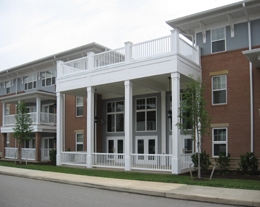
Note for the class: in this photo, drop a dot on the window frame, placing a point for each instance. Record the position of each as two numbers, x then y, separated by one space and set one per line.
79 143
219 142
145 111
77 106
52 77
27 82
211 33
222 89
8 87
115 112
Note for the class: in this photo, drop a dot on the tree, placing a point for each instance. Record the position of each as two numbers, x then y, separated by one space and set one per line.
22 129
193 113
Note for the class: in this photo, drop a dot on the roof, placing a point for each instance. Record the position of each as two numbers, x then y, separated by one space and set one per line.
229 14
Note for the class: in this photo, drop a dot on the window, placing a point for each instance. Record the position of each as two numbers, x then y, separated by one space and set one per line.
219 89
79 141
115 116
30 82
7 109
8 87
219 141
218 40
146 114
48 77
79 106
188 146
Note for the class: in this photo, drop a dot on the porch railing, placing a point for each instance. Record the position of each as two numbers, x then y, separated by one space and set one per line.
48 118
187 50
110 160
110 57
74 158
27 153
151 48
157 162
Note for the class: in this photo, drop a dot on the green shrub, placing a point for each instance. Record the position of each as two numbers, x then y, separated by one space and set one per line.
248 163
223 161
53 156
204 160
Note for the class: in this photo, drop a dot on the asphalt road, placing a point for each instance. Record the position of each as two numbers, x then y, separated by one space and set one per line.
23 192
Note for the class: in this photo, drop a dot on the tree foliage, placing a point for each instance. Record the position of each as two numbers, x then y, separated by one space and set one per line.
194 117
22 129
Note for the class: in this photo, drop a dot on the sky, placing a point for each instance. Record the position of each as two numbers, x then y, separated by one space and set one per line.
33 29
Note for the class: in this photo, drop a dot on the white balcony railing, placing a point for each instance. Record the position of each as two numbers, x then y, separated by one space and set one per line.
27 153
110 160
188 50
48 118
74 158
157 162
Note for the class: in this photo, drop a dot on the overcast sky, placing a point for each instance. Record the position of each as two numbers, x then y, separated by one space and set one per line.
32 29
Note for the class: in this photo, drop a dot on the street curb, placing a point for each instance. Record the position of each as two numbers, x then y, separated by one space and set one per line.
167 194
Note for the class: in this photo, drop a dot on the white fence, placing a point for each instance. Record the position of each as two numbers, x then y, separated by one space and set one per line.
110 160
27 153
110 57
74 158
66 70
151 48
157 162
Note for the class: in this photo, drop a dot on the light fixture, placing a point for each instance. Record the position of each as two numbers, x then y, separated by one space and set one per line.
96 119
169 113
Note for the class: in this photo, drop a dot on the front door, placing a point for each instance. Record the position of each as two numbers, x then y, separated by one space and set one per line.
146 145
115 146
48 144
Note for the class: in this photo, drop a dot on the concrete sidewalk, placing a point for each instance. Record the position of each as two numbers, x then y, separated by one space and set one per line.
168 190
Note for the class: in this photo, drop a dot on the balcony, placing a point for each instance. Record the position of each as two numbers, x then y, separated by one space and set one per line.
170 53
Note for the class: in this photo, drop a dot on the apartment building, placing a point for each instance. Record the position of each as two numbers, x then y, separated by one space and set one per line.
119 108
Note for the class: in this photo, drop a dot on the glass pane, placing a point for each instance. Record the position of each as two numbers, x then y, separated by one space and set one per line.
219 82
219 148
140 149
151 120
140 104
79 101
188 146
79 137
48 81
111 107
120 146
51 143
151 144
79 147
219 97
119 122
53 80
119 106
218 34
218 46
80 111
140 121
110 123
220 134
110 146
43 82
151 103
46 143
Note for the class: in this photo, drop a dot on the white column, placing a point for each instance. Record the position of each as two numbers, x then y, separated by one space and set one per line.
128 123
59 128
90 63
163 122
3 114
90 124
128 51
38 110
175 77
175 40
59 66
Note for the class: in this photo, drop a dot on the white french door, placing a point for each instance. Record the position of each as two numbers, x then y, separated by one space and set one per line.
146 145
115 145
48 144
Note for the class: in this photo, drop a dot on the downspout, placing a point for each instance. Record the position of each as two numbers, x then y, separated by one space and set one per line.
251 84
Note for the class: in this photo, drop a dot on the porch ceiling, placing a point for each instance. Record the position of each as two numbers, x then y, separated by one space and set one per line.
141 86
253 56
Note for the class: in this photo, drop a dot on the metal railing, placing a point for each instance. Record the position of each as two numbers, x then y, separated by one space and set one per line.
110 57
151 48
74 158
156 162
110 160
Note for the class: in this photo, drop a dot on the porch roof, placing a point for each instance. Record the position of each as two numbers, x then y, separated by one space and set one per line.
253 56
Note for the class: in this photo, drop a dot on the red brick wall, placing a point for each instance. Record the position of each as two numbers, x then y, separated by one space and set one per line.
237 110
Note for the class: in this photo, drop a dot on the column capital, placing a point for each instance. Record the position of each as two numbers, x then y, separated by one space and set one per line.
175 75
128 82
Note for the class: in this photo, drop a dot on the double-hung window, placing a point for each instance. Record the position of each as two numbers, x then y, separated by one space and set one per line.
8 87
219 89
218 42
79 106
115 116
219 141
30 82
48 77
146 114
79 141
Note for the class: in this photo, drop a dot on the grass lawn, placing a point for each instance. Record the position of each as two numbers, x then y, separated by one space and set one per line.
167 178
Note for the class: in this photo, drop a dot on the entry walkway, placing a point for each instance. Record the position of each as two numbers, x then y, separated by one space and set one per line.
168 190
